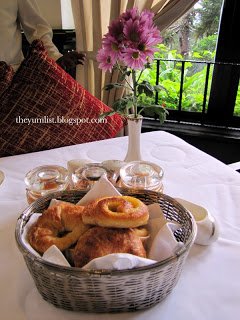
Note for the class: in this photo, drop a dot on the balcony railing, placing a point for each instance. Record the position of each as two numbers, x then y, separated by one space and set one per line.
189 96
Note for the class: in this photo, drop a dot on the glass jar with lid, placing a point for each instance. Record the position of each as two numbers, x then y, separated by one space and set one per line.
142 175
85 177
74 166
45 179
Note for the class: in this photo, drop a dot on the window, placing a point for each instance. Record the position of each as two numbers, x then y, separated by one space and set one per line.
202 83
67 15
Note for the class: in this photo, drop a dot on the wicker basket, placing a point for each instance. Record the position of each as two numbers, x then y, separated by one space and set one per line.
105 290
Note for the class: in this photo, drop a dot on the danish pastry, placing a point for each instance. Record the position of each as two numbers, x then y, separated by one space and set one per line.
116 212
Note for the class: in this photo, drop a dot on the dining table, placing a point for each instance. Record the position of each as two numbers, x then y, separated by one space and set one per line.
209 285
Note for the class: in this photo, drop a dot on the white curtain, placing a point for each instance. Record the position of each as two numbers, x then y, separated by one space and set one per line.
172 11
92 18
67 14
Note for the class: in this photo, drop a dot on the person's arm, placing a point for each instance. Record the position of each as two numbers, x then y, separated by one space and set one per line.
36 27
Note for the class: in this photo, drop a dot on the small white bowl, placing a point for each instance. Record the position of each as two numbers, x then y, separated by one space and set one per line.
207 226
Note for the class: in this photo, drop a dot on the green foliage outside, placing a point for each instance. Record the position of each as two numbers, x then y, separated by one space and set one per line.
194 79
237 104
198 30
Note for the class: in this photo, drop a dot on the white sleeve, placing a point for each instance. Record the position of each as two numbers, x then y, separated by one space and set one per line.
36 27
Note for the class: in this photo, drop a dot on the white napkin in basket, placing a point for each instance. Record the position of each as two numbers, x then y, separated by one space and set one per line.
164 244
161 244
54 255
34 217
102 188
118 261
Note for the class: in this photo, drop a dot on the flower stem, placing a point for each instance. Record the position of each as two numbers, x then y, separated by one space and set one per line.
140 74
120 69
134 92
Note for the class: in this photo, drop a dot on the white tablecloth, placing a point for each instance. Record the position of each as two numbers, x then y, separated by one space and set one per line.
209 286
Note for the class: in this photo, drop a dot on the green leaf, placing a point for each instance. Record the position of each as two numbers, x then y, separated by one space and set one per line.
146 87
120 105
105 114
110 86
124 74
148 65
152 110
122 77
159 88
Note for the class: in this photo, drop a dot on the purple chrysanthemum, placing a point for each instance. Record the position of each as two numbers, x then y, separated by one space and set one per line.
111 46
131 40
146 19
116 30
106 62
132 32
134 59
130 14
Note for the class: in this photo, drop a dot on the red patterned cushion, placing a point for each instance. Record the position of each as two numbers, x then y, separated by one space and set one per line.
42 93
6 75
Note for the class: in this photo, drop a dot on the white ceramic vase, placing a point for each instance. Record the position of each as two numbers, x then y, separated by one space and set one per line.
134 133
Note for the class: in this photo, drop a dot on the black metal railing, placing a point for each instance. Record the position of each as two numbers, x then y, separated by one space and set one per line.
202 115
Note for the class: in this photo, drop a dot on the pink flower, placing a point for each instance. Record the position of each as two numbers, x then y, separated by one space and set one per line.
106 62
130 14
111 46
134 59
132 32
148 52
154 37
131 40
116 30
129 46
148 43
146 19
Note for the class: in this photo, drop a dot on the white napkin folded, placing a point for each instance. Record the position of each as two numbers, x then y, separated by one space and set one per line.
161 244
34 217
118 261
54 255
102 188
164 244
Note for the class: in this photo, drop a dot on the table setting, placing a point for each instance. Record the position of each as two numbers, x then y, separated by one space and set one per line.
195 183
139 227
